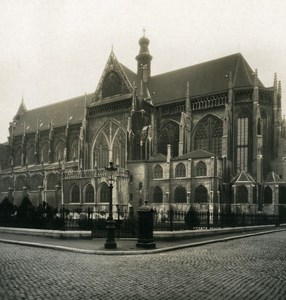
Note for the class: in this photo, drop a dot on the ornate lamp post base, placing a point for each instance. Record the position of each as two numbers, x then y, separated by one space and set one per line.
110 242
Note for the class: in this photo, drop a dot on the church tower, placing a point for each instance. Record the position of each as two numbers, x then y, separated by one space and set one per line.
144 59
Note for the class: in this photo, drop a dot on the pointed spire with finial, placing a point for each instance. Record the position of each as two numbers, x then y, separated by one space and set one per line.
188 100
21 110
255 83
275 82
279 88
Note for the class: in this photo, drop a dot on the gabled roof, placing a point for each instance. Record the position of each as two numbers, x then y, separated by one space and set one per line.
129 73
72 109
244 177
204 78
125 74
273 178
196 154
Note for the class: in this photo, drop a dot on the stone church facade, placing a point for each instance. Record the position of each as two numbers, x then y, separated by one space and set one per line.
209 135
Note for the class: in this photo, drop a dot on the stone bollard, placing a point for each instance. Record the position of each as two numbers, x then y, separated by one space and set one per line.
145 239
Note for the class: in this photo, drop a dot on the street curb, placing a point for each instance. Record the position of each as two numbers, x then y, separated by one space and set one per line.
135 252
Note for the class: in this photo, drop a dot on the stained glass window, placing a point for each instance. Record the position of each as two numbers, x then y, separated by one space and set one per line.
169 135
242 143
89 193
208 135
180 170
201 169
158 172
104 193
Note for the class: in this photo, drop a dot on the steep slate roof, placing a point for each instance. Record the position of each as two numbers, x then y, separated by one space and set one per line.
205 78
129 73
60 111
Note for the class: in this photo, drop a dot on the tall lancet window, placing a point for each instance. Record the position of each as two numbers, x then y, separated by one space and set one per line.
242 142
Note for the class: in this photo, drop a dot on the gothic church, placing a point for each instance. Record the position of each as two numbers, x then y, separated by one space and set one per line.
209 135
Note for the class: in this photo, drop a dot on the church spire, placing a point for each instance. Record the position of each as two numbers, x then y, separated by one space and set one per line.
144 59
21 110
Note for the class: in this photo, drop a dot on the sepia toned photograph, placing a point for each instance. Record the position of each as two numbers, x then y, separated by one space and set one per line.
142 149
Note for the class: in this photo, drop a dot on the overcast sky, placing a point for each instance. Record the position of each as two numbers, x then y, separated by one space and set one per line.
52 50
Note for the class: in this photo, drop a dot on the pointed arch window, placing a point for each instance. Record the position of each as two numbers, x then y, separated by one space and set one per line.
89 193
7 183
201 194
44 154
242 194
74 194
104 193
180 195
35 182
201 169
157 195
73 154
169 135
268 195
158 172
208 135
20 183
242 142
51 181
31 159
18 157
59 155
180 170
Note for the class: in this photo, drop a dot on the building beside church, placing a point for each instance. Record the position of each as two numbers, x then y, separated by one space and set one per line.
210 135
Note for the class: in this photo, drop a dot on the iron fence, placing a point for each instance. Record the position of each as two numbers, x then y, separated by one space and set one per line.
127 223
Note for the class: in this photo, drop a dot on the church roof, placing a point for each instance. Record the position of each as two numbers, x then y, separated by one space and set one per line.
159 157
273 178
132 76
243 177
204 78
72 109
196 154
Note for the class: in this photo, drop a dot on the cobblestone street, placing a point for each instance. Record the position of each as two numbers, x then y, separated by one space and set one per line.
248 268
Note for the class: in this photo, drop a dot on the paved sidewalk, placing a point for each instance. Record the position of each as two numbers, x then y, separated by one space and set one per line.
124 246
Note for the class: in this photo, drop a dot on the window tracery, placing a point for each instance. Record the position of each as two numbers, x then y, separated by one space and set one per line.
208 135
89 193
169 135
201 169
242 142
104 193
158 172
180 170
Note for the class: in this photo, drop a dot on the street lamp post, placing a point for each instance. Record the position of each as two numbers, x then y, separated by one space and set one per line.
110 241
